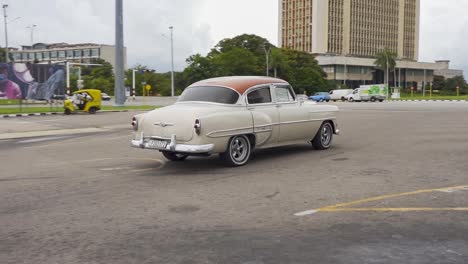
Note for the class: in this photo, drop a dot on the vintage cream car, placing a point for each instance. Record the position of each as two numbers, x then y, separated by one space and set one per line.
233 116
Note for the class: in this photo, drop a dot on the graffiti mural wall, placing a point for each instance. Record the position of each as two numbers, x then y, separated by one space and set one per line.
31 81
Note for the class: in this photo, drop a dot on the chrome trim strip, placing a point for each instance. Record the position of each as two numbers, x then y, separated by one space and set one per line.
228 130
163 124
260 128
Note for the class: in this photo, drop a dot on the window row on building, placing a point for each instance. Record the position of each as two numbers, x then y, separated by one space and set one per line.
46 55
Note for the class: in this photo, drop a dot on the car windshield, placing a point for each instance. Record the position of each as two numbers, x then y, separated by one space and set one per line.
213 94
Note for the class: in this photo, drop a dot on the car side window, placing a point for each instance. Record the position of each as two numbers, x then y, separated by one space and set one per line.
283 94
259 96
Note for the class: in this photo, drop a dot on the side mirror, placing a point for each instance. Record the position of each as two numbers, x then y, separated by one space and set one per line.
301 100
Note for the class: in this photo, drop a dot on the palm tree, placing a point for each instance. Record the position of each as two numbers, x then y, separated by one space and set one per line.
386 61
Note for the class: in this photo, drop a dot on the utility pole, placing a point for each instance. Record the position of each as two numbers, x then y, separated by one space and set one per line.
32 33
119 55
7 55
171 28
267 50
133 83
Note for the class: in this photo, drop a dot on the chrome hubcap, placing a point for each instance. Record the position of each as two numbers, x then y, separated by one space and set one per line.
239 149
326 134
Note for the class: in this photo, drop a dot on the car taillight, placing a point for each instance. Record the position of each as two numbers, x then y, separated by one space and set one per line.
135 123
197 126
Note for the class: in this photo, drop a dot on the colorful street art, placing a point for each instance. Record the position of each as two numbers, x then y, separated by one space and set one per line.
31 81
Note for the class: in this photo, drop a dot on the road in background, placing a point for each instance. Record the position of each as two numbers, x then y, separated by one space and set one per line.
90 198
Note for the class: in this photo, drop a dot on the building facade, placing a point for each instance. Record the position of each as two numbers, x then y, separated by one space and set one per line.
346 36
358 28
60 52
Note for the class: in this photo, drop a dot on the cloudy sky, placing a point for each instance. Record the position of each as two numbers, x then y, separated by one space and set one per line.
200 24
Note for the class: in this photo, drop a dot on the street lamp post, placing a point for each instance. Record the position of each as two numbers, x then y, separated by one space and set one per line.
267 50
133 83
119 55
171 28
6 33
32 33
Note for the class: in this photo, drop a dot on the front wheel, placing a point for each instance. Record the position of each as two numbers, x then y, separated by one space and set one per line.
343 99
373 99
92 110
381 100
174 156
324 137
351 99
238 151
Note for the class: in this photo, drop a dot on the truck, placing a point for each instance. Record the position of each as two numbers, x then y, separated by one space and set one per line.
340 94
373 93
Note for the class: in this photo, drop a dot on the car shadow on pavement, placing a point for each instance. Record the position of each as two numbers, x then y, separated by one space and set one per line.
260 160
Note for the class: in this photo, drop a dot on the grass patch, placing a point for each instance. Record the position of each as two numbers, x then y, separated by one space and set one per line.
25 102
59 109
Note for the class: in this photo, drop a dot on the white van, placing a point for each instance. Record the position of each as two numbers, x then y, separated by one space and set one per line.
376 92
339 94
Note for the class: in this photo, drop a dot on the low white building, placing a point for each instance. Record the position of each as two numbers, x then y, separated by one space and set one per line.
80 53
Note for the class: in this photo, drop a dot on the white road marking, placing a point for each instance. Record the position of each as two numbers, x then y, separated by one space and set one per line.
42 139
304 213
37 121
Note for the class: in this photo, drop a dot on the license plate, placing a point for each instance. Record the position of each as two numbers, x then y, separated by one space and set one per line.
156 144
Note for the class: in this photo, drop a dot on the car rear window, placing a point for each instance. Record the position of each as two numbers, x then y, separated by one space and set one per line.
213 94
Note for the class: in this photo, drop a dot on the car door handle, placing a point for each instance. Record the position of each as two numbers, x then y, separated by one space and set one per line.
251 108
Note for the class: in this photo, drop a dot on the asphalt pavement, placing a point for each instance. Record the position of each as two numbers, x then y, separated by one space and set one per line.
392 189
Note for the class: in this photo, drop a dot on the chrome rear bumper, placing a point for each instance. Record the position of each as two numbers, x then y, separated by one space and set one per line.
172 146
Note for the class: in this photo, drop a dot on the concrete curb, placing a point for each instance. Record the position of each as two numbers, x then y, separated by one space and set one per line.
457 101
59 113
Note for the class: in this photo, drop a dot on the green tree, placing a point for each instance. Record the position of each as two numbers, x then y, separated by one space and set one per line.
245 55
439 83
452 83
301 70
3 55
199 68
236 61
386 61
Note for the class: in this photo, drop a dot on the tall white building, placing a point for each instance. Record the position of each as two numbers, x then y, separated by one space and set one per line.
346 35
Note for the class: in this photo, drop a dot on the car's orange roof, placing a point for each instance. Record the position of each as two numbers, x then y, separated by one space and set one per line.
238 83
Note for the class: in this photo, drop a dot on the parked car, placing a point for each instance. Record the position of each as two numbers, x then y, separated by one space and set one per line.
373 93
320 97
232 116
340 94
59 97
105 97
302 97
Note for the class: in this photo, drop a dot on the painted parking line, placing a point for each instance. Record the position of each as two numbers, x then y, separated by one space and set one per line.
341 207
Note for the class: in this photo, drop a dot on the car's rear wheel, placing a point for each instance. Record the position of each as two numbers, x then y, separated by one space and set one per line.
324 137
238 151
174 156
351 99
381 100
373 99
343 99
